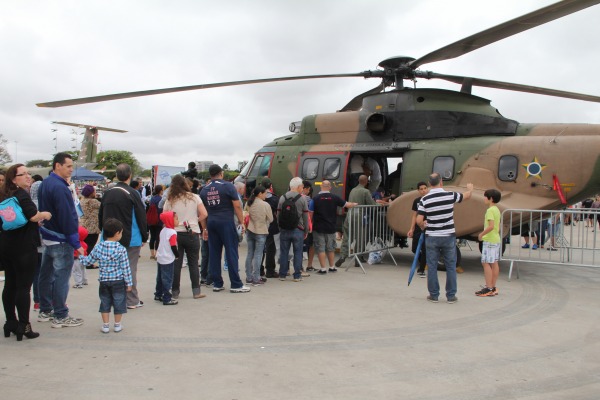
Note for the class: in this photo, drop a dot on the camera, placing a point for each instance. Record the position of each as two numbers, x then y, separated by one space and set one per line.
187 227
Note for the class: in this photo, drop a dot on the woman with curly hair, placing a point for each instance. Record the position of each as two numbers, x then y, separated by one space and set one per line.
18 252
192 220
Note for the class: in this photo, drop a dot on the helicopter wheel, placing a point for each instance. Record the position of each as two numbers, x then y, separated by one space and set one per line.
442 267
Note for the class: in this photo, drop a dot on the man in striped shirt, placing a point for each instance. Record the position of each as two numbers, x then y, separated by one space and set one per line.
436 218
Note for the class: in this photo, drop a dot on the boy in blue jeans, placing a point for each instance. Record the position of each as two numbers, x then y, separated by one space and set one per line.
165 258
114 273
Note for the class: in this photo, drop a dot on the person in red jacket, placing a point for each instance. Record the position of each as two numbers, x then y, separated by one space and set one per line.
78 272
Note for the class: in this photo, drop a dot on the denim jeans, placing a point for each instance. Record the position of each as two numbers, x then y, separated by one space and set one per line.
256 246
164 281
444 246
188 243
204 261
223 234
113 293
53 283
295 239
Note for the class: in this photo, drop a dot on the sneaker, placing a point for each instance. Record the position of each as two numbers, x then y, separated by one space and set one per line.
77 286
340 261
105 328
282 278
138 305
258 283
45 316
332 269
263 279
304 274
36 306
525 246
432 299
534 247
452 300
66 322
249 281
243 289
322 272
421 274
157 298
495 291
203 283
552 248
218 289
118 328
297 279
459 270
171 302
485 292
309 269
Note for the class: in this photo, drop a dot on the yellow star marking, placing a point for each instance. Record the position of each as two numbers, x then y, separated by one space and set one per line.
534 168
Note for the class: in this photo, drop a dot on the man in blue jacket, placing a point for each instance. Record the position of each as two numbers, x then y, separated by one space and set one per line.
60 237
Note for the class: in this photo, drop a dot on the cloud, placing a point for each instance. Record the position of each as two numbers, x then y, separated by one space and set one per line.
56 50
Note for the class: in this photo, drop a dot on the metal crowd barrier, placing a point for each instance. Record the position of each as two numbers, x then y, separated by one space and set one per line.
568 237
366 230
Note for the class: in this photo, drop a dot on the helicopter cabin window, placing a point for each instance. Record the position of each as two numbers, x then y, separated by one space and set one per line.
331 168
444 166
508 166
261 166
310 168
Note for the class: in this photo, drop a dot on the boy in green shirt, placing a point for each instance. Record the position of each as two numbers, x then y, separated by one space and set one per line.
490 252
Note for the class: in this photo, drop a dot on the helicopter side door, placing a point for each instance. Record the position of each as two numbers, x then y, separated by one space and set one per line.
315 167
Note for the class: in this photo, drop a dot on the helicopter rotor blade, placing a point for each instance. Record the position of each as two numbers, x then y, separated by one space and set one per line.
504 30
118 96
356 102
516 87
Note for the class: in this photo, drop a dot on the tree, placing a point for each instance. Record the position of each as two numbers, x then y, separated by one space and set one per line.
38 163
5 158
225 167
109 159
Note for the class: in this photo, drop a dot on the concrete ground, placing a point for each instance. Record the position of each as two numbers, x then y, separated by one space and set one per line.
341 336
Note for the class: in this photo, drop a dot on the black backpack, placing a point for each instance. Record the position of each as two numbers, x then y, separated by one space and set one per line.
288 216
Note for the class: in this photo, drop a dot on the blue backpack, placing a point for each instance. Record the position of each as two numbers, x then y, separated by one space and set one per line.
12 214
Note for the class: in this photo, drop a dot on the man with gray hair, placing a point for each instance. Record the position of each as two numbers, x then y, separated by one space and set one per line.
293 222
125 204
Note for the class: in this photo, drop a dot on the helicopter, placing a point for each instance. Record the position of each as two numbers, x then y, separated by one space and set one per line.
89 144
455 133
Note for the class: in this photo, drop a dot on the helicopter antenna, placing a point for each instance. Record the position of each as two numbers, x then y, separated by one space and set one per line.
553 140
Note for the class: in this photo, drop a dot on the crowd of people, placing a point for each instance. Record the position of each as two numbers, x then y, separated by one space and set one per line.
50 233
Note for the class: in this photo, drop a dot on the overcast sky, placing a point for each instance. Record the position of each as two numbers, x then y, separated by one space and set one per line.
56 50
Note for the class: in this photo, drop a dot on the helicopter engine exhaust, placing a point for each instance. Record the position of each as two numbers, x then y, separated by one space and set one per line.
376 123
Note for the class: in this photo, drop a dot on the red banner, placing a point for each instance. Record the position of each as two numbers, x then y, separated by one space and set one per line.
558 189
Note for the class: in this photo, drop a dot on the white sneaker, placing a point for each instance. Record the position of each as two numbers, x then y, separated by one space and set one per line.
243 289
105 328
118 328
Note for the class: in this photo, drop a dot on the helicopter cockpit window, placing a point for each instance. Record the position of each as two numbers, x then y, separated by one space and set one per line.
331 168
444 166
310 168
508 166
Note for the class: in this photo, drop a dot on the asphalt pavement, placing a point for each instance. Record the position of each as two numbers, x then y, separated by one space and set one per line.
344 335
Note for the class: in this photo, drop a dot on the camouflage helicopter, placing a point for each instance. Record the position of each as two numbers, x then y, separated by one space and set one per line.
455 133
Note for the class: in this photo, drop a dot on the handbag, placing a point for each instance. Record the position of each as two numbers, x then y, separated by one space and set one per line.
12 214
